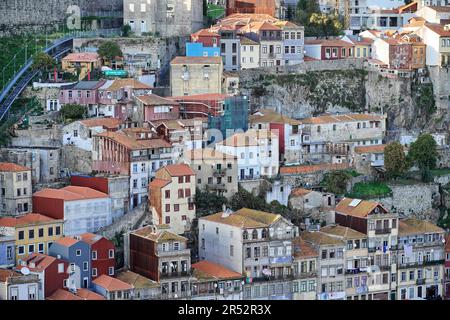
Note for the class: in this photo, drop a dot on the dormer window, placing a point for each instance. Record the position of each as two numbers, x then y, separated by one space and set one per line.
255 234
245 235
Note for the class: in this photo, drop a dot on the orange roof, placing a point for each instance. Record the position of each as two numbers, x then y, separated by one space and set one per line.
439 29
205 33
66 241
215 270
251 137
257 26
61 294
12 167
6 274
154 100
40 261
110 123
82 57
370 149
111 284
177 170
71 193
203 96
133 143
196 60
351 117
328 42
25 220
271 116
362 209
313 168
300 192
303 249
159 183
86 294
129 82
90 238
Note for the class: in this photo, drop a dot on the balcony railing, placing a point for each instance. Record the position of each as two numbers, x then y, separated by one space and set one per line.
166 275
420 282
219 173
420 263
177 295
304 275
383 231
185 252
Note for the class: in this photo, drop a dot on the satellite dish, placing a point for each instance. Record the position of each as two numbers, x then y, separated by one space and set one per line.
25 271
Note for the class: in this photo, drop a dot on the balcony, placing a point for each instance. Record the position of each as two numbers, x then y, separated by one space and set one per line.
168 275
420 263
216 186
372 250
353 271
420 282
219 173
305 275
173 253
383 231
178 295
280 260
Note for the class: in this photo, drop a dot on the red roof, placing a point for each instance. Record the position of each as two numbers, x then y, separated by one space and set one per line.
5 274
111 284
159 183
61 294
40 261
66 241
82 57
177 170
90 238
215 270
71 193
12 167
86 294
28 219
110 123
312 168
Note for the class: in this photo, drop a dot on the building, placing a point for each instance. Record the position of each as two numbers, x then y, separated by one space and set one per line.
250 53
78 254
79 133
195 75
257 153
155 108
134 153
163 18
7 251
214 171
381 228
229 47
369 159
329 138
254 243
16 189
84 93
117 187
293 42
82 209
363 46
171 197
331 264
447 268
80 294
421 259
439 14
144 288
436 37
208 37
81 64
112 288
251 7
309 201
329 49
279 191
53 273
215 282
198 49
201 105
305 270
103 260
17 286
33 233
356 260
288 131
161 256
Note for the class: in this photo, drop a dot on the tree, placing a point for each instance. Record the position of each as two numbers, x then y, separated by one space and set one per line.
126 30
43 62
73 111
208 202
423 153
395 160
109 50
205 8
336 182
304 10
325 25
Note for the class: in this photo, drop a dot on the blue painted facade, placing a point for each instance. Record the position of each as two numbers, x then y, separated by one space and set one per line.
69 253
7 252
196 49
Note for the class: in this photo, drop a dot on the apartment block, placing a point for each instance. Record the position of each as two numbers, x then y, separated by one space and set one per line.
16 189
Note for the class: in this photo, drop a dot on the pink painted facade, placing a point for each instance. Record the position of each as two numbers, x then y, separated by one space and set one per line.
83 93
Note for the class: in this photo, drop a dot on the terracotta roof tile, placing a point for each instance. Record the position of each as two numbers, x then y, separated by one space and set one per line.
245 218
40 261
118 84
133 143
154 100
215 270
12 167
82 57
178 170
439 29
321 239
304 169
196 60
303 249
271 116
136 280
343 232
159 183
203 155
300 192
27 219
158 234
411 226
86 294
370 149
66 241
362 209
352 117
90 238
6 274
251 137
111 284
71 193
61 294
109 123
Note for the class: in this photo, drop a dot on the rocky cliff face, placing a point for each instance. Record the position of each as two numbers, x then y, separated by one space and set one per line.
409 103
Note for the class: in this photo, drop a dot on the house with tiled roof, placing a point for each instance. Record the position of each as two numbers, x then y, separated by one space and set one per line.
83 209
329 49
78 254
213 281
171 197
18 286
308 200
156 253
195 75
103 260
135 152
257 152
32 233
382 229
79 294
421 259
250 53
81 63
16 189
215 171
144 288
53 272
254 243
363 45
436 37
84 93
154 108
369 159
79 133
306 266
112 288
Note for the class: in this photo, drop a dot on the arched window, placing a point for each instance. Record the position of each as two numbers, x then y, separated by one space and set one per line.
255 234
264 234
245 235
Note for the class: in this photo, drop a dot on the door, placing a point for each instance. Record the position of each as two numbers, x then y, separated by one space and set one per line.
242 174
251 173
135 201
85 282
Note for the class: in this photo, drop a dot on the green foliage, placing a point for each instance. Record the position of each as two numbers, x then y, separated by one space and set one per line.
73 111
336 182
395 160
425 98
363 190
126 30
44 62
444 218
109 50
316 23
423 153
208 203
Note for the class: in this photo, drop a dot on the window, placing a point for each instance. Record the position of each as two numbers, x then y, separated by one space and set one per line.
85 266
21 250
111 271
167 207
78 253
176 207
30 234
41 248
167 220
41 232
58 230
30 248
111 253
324 254
21 235
94 255
231 250
94 272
